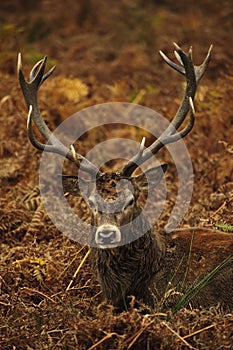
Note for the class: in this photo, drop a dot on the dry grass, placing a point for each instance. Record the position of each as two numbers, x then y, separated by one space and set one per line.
49 300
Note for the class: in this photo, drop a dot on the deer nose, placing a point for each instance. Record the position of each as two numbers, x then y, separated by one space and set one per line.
107 236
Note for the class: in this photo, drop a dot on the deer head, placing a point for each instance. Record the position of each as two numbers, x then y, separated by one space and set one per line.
113 197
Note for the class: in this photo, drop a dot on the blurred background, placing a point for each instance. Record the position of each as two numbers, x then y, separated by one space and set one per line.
84 35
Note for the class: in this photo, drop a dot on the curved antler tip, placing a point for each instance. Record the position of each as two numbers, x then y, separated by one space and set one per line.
72 149
207 59
210 49
162 54
19 62
29 120
143 142
42 62
191 105
52 69
178 57
177 46
74 155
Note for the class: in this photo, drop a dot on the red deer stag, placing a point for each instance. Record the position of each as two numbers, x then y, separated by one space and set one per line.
131 268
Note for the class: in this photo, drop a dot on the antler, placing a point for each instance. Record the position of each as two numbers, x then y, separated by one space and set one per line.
193 75
30 90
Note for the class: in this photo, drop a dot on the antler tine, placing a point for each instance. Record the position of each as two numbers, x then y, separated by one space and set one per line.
33 72
199 70
30 90
141 150
171 63
53 145
34 141
193 75
171 135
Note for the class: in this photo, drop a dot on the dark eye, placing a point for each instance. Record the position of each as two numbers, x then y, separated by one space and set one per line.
130 203
91 204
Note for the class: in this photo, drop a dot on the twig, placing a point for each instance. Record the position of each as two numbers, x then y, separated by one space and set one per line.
178 336
59 341
108 336
35 291
137 335
199 331
78 269
138 98
227 201
66 268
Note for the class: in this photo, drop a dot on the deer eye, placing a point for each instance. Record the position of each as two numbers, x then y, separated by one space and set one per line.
129 203
91 204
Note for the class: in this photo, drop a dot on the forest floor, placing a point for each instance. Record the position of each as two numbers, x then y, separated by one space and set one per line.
106 53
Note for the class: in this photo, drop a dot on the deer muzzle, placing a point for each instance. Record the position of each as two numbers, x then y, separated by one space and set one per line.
107 236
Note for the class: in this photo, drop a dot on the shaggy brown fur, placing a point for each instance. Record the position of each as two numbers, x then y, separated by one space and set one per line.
130 267
140 268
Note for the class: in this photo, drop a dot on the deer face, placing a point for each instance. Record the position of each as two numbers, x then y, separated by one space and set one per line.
113 200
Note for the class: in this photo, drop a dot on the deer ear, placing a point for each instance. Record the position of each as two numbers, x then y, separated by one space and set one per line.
151 177
75 186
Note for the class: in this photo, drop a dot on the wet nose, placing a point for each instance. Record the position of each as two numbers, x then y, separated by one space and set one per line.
107 236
